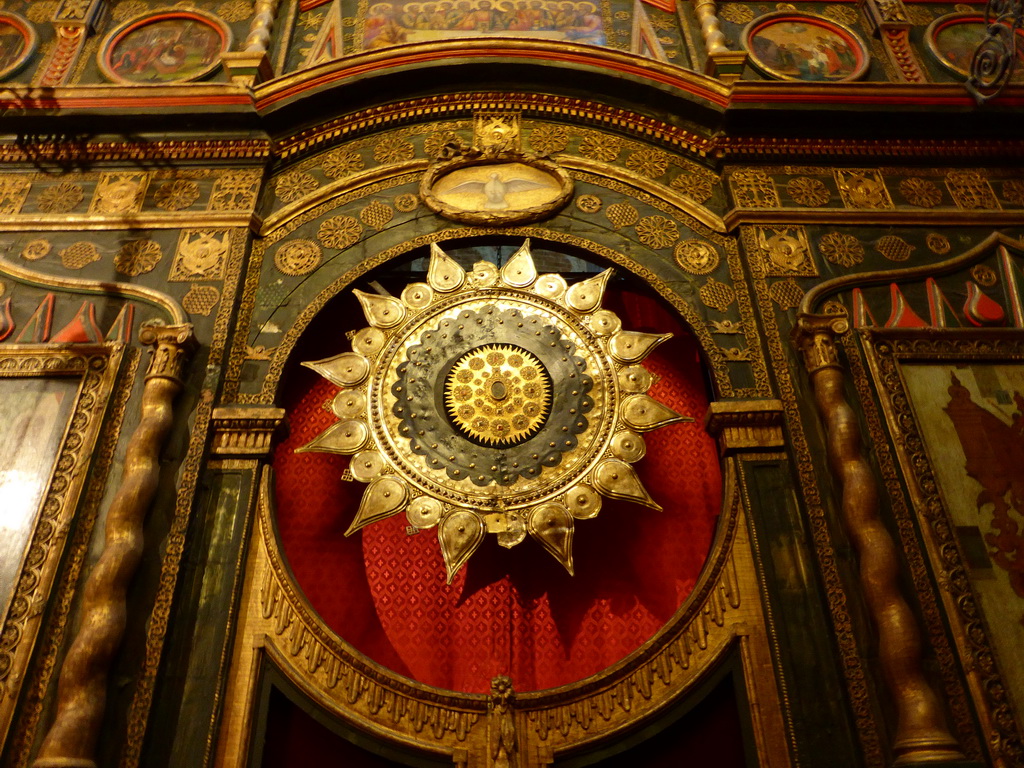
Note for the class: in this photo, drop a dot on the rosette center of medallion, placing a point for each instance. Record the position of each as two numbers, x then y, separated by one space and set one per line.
498 394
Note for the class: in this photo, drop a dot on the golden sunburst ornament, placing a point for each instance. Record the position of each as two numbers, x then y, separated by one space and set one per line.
493 401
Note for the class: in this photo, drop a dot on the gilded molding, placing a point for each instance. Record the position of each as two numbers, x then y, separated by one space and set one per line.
920 733
721 614
138 293
886 351
813 298
954 693
744 426
245 431
88 152
81 691
852 665
70 41
97 367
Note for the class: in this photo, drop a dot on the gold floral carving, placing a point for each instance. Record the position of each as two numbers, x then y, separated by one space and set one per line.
201 255
235 10
62 197
81 698
984 275
696 187
137 257
176 195
339 163
622 215
439 144
753 189
200 299
717 295
920 192
841 249
737 13
807 191
79 255
393 149
600 146
377 214
298 257
657 231
406 202
235 191
970 190
894 248
1013 192
937 243
844 14
13 193
339 232
549 139
920 733
119 193
651 163
36 249
295 185
696 256
785 251
588 203
861 188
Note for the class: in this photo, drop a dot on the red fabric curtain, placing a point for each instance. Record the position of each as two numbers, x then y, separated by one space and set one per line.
509 612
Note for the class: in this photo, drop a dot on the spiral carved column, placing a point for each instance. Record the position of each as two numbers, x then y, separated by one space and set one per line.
250 66
921 734
721 63
82 687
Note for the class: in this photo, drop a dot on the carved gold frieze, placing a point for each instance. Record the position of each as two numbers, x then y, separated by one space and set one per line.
240 431
745 425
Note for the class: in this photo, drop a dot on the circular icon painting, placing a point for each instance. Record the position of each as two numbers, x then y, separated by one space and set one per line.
954 38
169 47
17 43
791 46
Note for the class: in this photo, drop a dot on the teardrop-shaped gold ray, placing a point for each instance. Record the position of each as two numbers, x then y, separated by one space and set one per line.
643 413
633 346
444 273
617 479
586 295
552 525
459 534
381 311
520 271
346 370
383 498
345 437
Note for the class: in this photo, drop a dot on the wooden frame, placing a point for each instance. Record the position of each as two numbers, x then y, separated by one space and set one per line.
89 372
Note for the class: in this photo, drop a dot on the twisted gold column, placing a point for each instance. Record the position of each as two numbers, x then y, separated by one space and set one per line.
82 687
921 734
250 65
722 63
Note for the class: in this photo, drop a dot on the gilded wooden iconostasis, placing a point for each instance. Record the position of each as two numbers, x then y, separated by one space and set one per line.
838 540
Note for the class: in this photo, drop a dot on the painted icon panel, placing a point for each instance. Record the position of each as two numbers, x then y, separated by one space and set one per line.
791 46
399 22
953 39
17 43
170 47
